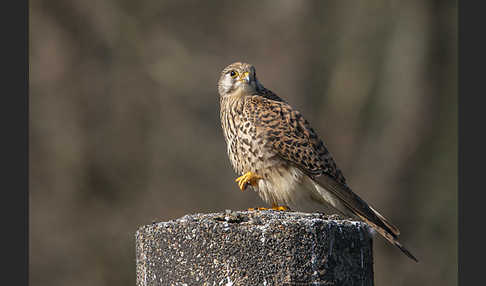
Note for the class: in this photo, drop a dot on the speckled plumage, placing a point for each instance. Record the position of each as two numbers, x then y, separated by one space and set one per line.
266 136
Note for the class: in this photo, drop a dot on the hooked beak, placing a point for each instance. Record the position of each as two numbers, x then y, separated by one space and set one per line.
245 77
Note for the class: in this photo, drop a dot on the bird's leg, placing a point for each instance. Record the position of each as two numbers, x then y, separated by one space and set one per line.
248 178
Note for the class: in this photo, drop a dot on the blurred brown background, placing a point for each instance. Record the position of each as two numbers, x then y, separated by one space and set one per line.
124 120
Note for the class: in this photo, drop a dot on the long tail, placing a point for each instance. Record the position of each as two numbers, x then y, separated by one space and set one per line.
391 238
346 201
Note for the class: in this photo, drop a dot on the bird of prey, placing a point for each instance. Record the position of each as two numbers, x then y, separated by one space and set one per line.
281 157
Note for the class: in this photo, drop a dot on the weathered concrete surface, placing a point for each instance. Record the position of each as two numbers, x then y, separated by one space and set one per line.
254 248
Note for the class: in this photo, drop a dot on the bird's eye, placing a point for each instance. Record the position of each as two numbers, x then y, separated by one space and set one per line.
233 74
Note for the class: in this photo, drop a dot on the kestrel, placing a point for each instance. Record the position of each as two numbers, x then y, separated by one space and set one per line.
281 157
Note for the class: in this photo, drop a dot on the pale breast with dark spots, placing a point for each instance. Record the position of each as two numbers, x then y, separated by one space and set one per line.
246 150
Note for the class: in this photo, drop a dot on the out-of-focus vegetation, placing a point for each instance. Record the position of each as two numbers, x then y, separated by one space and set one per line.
124 120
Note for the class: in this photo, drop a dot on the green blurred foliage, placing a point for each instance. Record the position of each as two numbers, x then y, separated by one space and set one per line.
124 120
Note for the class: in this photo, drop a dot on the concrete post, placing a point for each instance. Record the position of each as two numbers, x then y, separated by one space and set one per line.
254 248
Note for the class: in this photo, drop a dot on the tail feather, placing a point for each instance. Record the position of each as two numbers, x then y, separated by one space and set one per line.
390 238
404 250
393 228
357 206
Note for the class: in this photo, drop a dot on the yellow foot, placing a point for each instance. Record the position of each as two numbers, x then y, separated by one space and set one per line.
248 178
258 209
281 208
275 207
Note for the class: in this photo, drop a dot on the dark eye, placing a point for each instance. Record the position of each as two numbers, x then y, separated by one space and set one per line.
233 74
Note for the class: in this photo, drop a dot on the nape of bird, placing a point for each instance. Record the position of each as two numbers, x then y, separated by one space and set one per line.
281 157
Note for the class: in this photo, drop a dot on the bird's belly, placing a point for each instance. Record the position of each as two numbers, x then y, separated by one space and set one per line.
282 185
289 186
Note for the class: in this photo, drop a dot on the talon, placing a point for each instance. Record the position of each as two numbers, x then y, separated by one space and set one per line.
280 208
274 207
248 178
258 209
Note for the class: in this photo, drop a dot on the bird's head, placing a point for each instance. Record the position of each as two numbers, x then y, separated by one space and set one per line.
237 78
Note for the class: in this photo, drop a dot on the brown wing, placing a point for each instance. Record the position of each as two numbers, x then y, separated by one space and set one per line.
292 137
